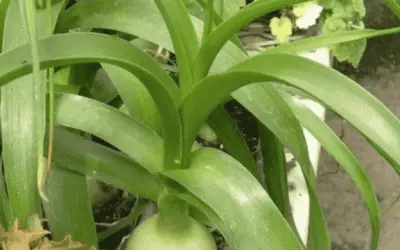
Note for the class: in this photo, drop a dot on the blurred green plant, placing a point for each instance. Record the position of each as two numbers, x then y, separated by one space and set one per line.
394 6
334 15
153 126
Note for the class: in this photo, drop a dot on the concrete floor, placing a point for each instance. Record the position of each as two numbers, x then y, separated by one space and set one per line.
347 217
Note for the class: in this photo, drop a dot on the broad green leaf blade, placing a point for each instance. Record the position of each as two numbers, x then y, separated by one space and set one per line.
343 155
69 211
121 130
337 92
135 96
84 48
275 173
329 39
231 138
22 124
83 156
210 48
251 219
183 37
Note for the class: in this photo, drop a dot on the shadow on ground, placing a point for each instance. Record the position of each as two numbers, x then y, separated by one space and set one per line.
347 217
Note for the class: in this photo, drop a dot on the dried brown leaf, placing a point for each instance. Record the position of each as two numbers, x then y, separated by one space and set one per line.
66 244
2 233
19 239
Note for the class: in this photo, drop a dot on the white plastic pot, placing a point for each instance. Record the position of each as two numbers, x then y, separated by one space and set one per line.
298 196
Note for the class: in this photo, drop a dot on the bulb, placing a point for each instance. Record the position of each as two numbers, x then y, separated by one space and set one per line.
153 234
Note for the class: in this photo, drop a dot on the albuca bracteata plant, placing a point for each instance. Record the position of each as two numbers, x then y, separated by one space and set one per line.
140 135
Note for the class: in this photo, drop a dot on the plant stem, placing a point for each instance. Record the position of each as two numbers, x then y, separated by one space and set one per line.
174 214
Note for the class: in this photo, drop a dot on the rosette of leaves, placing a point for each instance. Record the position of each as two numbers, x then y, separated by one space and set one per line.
207 186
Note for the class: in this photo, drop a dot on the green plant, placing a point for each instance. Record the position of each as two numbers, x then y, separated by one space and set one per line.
337 16
154 156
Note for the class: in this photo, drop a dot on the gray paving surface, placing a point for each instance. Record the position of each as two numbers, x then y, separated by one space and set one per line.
346 214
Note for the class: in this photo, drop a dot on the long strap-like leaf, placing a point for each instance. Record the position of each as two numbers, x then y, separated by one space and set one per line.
275 173
23 113
135 96
74 153
127 134
184 38
337 92
343 155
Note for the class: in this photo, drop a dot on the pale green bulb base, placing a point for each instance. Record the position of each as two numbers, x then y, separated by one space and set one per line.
153 234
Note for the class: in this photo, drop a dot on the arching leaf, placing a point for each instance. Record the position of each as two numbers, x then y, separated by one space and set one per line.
338 93
74 153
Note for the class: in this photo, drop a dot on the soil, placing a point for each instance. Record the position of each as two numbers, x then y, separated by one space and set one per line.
110 212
